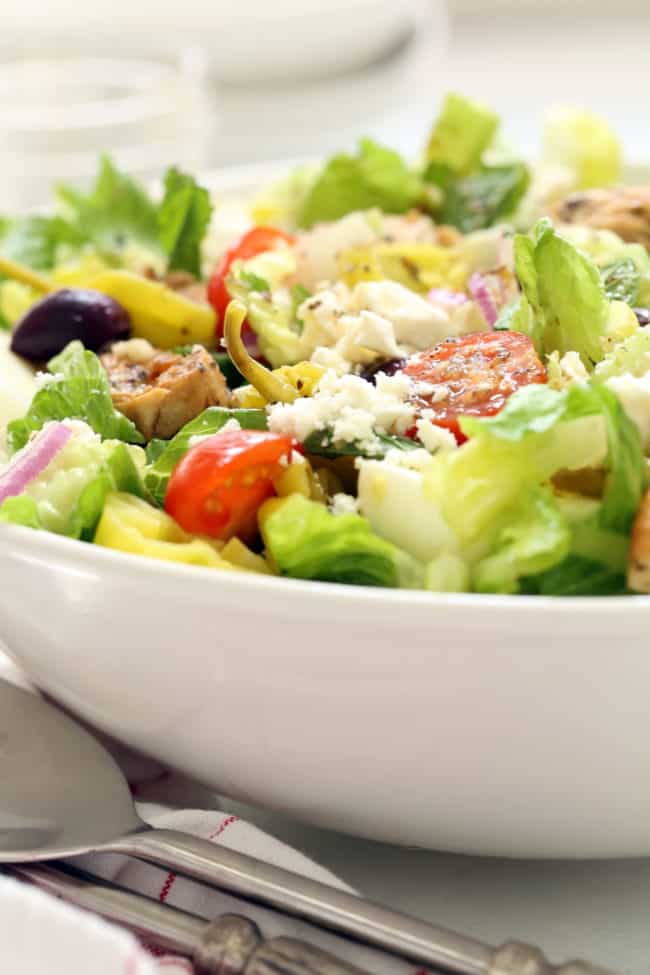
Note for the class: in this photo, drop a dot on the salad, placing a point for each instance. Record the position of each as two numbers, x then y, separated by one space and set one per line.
431 375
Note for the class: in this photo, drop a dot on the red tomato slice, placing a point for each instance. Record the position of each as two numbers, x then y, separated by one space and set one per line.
218 485
255 242
472 375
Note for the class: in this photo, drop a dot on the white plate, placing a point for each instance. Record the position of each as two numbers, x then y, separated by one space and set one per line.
516 726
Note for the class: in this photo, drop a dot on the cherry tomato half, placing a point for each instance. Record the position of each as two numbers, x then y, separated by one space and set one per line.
472 375
255 242
218 485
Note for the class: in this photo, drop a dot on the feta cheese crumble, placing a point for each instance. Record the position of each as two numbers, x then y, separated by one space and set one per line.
344 504
634 394
351 409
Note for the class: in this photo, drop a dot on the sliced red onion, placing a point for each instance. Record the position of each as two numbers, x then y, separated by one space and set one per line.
33 459
444 296
480 291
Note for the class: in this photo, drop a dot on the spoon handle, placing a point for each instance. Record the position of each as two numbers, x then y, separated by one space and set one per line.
338 910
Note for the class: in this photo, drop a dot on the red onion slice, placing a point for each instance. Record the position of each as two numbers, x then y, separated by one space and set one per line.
480 291
33 459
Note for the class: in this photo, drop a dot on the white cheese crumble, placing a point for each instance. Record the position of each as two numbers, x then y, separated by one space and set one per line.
433 437
230 426
351 409
573 369
344 504
634 394
378 319
42 379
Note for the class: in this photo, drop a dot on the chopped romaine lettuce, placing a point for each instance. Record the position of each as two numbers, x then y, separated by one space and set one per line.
630 355
306 541
166 454
462 132
535 538
585 143
115 212
37 241
68 496
577 576
448 572
79 389
565 294
183 219
375 177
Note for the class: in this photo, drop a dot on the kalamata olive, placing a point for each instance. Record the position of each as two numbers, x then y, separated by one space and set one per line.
387 366
642 315
72 313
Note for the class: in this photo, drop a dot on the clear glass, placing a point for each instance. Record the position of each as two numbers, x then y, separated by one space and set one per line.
59 112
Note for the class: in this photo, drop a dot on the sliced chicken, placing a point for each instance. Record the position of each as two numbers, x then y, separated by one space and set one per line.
638 571
625 210
161 391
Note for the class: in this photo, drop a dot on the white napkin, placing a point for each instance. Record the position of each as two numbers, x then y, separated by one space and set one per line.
68 938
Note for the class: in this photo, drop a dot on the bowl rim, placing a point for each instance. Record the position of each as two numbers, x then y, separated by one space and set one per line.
86 555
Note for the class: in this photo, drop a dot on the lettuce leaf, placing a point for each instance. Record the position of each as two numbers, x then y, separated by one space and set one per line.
79 390
565 293
585 143
167 454
536 538
306 541
539 432
36 241
183 219
462 132
68 496
375 177
115 212
577 576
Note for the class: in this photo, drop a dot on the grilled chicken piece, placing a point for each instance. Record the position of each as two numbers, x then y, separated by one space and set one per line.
638 571
625 210
161 391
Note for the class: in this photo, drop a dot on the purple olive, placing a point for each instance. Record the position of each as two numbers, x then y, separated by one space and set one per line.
387 366
72 313
642 315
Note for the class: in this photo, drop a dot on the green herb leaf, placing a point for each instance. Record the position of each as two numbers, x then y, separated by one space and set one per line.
482 198
183 220
621 281
320 443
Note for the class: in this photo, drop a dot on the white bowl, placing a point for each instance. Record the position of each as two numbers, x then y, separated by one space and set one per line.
495 725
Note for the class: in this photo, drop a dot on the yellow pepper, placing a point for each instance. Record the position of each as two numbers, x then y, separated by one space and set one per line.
129 524
157 313
419 267
303 377
240 556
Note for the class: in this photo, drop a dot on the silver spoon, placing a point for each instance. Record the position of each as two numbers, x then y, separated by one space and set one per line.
62 795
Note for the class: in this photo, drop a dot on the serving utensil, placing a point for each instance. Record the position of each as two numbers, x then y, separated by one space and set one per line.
63 795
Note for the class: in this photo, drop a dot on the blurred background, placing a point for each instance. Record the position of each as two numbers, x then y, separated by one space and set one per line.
210 83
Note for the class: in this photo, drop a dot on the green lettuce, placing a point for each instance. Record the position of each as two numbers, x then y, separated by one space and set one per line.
116 211
462 132
37 241
68 496
306 541
375 177
585 143
536 538
577 576
79 390
564 292
320 443
630 355
539 432
166 454
183 219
